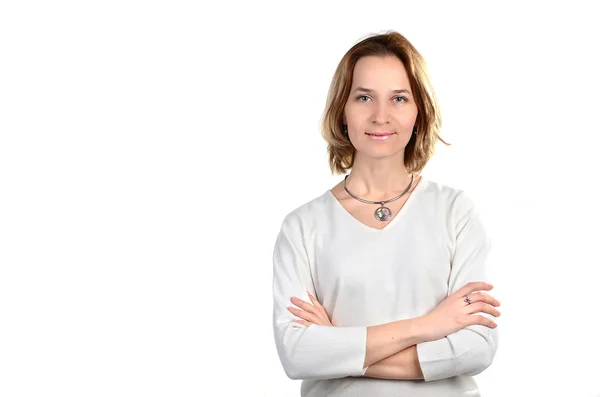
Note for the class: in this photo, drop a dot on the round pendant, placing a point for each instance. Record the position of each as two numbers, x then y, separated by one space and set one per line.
383 214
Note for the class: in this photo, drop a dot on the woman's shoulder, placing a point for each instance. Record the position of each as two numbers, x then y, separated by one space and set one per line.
437 187
449 195
309 210
436 190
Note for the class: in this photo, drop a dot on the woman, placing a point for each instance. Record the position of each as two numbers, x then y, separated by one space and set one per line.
377 283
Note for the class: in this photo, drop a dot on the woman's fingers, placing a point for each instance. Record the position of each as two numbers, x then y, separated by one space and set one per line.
302 305
314 300
477 319
482 307
302 322
483 297
308 312
314 313
315 308
304 314
472 287
318 306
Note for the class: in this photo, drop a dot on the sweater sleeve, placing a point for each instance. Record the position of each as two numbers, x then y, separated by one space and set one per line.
470 350
313 352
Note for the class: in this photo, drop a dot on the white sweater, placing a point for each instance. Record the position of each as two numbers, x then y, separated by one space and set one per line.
365 276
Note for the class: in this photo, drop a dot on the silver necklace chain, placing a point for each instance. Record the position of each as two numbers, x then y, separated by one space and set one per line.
382 213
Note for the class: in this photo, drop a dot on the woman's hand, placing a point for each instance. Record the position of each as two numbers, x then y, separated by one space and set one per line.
455 313
312 314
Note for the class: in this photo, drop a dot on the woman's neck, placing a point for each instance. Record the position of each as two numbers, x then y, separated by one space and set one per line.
378 179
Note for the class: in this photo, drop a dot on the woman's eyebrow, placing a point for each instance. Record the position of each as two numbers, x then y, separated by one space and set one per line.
369 91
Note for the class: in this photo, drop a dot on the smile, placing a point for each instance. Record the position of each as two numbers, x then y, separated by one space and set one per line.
380 137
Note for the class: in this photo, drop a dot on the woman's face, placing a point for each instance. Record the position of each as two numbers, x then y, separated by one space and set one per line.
380 103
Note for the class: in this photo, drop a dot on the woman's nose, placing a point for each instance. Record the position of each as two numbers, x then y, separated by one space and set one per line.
380 114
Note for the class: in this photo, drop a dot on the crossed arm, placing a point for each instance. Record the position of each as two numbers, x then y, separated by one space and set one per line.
403 364
404 349
450 340
393 349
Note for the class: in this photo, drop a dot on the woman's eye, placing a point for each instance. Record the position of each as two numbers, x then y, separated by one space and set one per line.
364 98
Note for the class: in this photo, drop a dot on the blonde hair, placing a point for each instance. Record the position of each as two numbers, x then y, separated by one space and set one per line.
421 146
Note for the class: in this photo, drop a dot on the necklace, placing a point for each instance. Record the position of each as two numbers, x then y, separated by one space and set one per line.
382 213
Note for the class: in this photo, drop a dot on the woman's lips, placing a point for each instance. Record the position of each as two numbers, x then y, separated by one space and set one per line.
380 137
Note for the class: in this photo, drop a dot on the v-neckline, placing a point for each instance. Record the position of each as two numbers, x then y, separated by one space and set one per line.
394 220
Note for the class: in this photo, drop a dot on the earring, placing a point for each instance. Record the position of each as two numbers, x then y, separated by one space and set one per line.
415 130
345 131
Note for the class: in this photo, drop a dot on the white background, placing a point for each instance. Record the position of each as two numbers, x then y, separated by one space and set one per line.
150 150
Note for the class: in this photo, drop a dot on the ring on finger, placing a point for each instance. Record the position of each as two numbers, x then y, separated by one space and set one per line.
468 300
